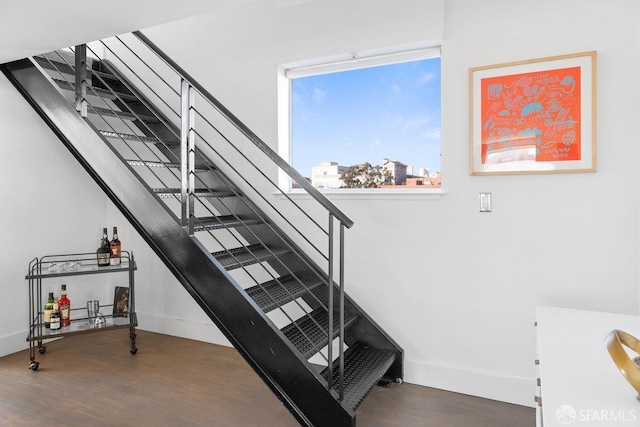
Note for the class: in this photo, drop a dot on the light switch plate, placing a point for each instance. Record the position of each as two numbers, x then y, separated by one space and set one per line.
485 202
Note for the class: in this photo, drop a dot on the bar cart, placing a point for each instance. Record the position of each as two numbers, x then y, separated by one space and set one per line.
52 266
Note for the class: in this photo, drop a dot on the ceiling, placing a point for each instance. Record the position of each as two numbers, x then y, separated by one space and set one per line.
37 26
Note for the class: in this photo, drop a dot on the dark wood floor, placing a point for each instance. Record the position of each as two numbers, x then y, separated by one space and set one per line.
93 380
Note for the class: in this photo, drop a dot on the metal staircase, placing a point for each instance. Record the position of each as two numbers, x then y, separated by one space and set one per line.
200 188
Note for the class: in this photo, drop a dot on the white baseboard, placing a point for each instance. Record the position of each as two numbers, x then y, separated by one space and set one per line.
13 343
519 391
206 332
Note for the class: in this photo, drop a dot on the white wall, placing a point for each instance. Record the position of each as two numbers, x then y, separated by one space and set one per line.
465 314
46 208
50 205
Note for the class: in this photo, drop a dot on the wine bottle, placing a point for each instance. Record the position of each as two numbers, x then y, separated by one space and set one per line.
103 253
65 307
48 309
55 317
116 248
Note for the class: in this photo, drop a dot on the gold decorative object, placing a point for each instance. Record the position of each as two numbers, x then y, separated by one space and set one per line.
628 367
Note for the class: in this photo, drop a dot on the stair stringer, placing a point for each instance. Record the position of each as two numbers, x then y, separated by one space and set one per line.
294 381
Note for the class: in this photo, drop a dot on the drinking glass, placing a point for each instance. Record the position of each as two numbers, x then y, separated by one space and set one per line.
93 307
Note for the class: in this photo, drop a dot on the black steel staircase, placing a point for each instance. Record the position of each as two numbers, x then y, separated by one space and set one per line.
200 188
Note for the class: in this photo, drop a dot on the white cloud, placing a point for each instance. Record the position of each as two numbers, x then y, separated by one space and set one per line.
425 78
432 134
319 95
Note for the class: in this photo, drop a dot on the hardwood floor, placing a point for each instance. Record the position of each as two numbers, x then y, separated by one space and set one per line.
93 380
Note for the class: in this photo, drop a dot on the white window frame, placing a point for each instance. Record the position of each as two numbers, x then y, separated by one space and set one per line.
337 63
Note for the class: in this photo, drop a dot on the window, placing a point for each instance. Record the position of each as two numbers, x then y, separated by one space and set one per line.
368 121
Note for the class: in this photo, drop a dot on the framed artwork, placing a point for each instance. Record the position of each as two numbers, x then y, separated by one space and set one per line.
121 301
533 116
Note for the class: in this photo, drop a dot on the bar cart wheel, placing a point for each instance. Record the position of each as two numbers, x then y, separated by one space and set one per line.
132 337
34 365
42 349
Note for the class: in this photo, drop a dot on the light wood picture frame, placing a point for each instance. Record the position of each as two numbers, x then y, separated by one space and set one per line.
533 117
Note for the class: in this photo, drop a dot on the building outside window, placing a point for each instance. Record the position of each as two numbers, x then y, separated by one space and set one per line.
375 115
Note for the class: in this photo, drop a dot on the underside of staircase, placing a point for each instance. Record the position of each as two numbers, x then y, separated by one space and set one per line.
268 273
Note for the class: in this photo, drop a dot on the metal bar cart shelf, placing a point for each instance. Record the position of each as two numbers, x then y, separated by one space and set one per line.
53 266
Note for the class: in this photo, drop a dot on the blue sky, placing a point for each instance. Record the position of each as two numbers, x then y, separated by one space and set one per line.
365 115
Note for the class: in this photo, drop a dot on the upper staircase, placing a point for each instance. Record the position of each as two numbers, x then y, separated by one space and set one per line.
201 189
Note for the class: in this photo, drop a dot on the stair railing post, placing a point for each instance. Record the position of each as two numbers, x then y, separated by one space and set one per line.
184 150
341 312
330 331
187 155
332 307
192 158
81 79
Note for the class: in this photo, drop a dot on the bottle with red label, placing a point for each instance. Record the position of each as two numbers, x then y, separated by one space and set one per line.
64 305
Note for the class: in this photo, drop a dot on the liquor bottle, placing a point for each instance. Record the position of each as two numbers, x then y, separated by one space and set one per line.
48 309
103 253
55 317
65 308
116 248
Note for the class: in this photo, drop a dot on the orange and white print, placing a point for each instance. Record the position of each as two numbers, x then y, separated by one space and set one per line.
531 117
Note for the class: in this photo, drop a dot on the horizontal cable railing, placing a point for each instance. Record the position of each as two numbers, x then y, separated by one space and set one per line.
281 163
239 242
204 136
135 150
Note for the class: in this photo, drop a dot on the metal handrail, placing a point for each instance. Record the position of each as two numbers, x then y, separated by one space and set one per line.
333 212
279 161
204 139
188 168
190 186
196 133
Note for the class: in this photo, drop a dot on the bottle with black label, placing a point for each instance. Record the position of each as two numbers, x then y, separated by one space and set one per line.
103 253
48 309
115 247
55 318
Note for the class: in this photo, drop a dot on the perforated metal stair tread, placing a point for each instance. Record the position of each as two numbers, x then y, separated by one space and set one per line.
309 334
120 114
242 257
95 91
221 222
277 292
152 164
364 366
149 164
138 138
170 193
